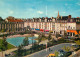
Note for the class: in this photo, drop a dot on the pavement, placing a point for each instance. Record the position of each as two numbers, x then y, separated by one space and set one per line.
7 51
44 42
46 52
75 54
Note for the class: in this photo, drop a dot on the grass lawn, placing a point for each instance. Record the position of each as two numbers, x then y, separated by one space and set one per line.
43 38
9 45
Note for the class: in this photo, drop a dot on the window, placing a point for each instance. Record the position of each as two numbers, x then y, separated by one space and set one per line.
68 27
73 27
60 32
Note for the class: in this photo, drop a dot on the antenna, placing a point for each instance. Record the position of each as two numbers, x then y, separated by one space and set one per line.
46 11
36 10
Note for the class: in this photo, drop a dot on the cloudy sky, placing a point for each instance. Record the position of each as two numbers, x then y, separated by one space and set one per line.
37 8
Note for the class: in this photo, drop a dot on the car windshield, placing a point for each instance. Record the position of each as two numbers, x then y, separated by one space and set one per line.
52 56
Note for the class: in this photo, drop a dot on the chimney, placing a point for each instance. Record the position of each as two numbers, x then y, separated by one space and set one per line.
58 15
46 17
52 17
61 17
69 17
77 17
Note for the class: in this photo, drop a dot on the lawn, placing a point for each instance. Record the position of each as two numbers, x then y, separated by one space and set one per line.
9 45
43 38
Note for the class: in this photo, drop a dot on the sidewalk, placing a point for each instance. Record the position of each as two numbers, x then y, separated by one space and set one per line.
44 42
7 51
75 54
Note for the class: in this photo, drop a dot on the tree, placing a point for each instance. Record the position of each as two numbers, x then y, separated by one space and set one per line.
43 35
3 30
32 41
53 41
65 35
20 50
35 46
77 36
78 42
58 35
4 45
28 30
1 19
25 42
72 48
56 53
49 37
39 38
67 49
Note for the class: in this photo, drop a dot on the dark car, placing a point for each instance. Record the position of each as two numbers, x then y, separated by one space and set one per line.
61 53
60 50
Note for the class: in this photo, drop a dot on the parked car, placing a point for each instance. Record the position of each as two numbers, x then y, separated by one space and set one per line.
61 53
51 55
75 46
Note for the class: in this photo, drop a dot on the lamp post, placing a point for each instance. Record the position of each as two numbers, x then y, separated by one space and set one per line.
46 47
32 40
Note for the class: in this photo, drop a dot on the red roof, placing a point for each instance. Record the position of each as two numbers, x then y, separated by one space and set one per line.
14 20
77 17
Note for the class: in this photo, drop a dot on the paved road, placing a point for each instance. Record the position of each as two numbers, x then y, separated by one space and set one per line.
45 53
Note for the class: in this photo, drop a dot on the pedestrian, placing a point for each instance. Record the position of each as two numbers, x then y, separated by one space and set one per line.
49 49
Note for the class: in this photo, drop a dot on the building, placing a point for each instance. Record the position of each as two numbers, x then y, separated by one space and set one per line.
11 24
73 26
61 24
56 25
41 24
6 26
18 23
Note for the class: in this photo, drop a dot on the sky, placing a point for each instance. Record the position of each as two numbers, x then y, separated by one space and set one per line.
38 8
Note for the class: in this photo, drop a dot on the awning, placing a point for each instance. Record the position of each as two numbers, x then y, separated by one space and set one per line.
79 32
41 29
47 30
51 31
37 29
33 28
72 31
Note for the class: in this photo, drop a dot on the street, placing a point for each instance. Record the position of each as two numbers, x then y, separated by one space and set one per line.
44 53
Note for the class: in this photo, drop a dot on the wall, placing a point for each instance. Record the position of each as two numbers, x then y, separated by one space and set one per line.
78 26
71 26
57 27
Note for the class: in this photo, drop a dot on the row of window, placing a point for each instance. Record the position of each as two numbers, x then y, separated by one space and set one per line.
71 27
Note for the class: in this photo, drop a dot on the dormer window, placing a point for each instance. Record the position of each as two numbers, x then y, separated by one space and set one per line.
68 27
78 20
71 20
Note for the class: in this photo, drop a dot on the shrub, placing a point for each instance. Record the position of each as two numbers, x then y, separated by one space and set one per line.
67 54
77 49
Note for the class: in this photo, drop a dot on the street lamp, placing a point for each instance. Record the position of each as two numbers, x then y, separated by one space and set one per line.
32 41
46 47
